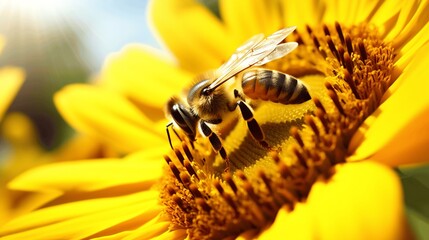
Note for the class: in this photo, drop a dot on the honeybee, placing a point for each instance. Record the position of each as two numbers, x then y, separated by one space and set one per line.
213 99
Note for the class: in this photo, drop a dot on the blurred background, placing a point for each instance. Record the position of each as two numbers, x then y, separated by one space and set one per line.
60 42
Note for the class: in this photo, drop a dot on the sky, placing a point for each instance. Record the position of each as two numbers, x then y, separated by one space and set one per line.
103 26
112 24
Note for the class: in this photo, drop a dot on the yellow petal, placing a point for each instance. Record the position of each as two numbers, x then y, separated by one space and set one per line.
82 146
13 203
154 227
408 9
361 11
5 204
297 224
386 15
408 47
26 151
84 219
90 175
333 11
151 229
357 11
361 201
108 116
144 75
192 33
116 236
11 79
247 18
301 13
178 234
20 131
413 27
149 155
413 16
396 133
368 194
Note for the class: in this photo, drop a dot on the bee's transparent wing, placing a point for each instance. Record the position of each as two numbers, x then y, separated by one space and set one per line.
255 50
270 45
249 44
282 34
280 51
237 60
240 52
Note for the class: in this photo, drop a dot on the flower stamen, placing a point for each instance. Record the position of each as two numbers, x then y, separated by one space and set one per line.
340 32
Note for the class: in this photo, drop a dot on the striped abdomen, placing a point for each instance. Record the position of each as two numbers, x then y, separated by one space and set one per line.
274 86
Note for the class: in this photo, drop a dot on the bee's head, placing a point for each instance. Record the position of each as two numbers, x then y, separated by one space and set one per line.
207 103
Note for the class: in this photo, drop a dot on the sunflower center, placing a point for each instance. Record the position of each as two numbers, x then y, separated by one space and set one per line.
347 70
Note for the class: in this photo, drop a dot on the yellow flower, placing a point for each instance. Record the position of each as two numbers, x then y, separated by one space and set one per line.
25 152
22 150
11 79
364 63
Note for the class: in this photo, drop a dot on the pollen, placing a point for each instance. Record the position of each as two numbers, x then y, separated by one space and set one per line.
347 70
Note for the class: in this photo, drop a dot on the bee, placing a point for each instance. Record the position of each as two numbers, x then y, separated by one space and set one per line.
211 100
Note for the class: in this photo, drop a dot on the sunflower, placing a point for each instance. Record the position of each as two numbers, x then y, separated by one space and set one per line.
327 173
11 79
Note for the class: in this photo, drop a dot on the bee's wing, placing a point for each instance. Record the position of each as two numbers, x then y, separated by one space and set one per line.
249 44
236 62
253 51
240 52
281 34
269 48
280 51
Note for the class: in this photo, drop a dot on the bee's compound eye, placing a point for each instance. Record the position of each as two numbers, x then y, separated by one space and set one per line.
197 90
206 91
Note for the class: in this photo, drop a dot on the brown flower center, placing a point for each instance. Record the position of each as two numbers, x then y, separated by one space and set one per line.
347 70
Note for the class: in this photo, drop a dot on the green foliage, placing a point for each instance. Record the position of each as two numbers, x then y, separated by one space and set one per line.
415 182
213 5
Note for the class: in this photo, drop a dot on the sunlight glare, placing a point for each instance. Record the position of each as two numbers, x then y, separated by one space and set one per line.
38 10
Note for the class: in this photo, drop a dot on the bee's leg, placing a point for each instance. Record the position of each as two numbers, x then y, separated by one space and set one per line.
233 105
237 95
252 124
215 141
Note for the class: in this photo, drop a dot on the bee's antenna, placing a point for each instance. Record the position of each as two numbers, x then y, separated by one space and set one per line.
170 124
168 134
